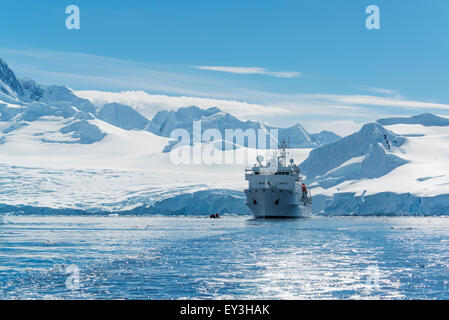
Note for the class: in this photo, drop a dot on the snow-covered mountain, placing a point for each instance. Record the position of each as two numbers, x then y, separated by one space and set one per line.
9 85
369 153
425 119
325 137
60 153
164 122
28 91
24 101
394 166
41 101
123 116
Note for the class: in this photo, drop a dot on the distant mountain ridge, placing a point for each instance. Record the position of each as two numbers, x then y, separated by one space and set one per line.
165 121
325 137
123 117
37 101
425 119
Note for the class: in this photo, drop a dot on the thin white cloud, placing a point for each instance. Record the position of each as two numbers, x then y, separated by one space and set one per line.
251 70
368 100
388 92
148 104
87 71
174 86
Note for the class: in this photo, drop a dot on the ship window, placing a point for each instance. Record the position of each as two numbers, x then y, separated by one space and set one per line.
276 202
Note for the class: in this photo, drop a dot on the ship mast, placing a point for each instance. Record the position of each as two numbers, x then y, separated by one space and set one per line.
283 154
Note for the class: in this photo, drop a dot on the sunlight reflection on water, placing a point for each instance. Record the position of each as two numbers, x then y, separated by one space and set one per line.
230 258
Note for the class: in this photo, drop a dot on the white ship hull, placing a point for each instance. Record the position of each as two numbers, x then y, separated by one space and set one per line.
276 203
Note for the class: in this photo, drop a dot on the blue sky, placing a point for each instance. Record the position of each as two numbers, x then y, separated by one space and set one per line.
315 60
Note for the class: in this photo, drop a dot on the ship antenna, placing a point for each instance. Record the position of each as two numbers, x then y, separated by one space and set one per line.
283 146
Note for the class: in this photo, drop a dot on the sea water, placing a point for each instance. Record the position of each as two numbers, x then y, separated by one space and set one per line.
235 257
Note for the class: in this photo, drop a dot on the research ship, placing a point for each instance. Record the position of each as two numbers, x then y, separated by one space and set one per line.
276 190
